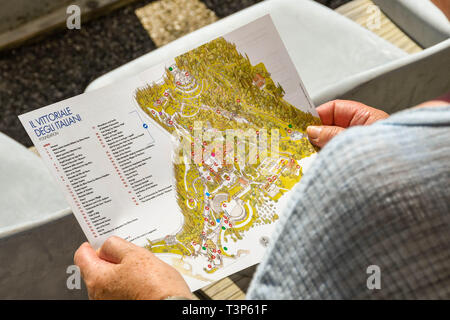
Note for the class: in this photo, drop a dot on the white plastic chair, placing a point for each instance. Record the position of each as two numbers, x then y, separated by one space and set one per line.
325 47
420 19
38 233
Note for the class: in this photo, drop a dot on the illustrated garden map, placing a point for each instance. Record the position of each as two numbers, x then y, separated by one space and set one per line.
209 91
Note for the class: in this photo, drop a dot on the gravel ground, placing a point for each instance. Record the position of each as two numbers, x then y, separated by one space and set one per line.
64 63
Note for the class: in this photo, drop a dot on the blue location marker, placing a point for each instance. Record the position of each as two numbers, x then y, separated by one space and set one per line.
145 126
218 220
207 194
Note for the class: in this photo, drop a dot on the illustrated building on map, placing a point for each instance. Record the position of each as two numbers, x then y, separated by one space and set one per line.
297 135
259 80
273 190
243 182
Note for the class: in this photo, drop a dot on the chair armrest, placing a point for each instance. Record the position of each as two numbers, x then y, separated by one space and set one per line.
420 19
397 85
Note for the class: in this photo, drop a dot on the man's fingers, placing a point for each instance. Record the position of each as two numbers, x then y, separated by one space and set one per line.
340 114
320 135
87 260
346 113
114 249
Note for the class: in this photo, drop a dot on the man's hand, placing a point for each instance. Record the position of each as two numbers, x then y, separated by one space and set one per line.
122 270
338 115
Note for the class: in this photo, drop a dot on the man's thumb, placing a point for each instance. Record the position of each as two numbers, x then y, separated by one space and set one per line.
87 260
320 135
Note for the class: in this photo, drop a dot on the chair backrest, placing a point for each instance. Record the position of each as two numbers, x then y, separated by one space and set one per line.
420 19
326 47
397 85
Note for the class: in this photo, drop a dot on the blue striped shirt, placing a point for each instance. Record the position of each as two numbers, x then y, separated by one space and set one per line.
375 196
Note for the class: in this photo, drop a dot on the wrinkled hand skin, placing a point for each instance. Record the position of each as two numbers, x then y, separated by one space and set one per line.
338 115
122 270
